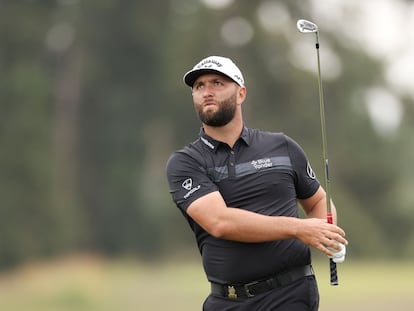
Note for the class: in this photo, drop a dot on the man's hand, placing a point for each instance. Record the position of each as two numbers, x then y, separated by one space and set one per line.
323 236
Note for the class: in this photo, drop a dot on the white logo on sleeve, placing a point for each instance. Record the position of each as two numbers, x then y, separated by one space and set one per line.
188 185
310 171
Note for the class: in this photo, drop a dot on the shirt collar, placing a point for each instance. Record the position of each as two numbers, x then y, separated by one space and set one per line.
245 135
213 144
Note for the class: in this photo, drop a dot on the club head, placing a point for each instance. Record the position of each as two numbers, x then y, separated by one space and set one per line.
305 26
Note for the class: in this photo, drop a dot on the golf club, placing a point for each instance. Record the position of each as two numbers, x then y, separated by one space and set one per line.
305 26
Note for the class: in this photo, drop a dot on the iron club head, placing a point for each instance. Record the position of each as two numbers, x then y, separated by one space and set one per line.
305 26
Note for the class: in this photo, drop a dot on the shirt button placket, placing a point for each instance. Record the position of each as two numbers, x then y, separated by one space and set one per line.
232 164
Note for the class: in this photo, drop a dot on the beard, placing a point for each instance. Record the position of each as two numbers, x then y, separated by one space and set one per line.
224 114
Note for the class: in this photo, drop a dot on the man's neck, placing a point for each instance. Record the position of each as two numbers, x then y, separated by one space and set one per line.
228 133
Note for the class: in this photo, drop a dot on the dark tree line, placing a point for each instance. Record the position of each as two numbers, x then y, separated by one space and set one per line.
92 104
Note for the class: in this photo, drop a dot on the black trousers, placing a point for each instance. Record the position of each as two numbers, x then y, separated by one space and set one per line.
302 295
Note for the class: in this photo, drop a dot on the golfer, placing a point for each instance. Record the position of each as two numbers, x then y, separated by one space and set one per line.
240 190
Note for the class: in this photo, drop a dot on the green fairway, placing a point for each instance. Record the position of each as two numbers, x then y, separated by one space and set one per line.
90 283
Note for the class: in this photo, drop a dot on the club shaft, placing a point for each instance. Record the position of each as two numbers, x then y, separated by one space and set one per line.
332 264
323 130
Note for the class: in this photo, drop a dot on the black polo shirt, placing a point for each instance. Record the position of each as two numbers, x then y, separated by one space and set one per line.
264 173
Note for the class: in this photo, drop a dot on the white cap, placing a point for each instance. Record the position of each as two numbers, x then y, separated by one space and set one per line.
214 64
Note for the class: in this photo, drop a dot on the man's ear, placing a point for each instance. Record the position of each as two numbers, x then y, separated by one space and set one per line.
242 93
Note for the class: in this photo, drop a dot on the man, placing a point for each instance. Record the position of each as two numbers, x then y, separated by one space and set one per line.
239 190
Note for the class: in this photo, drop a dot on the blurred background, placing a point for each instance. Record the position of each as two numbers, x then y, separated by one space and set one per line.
92 104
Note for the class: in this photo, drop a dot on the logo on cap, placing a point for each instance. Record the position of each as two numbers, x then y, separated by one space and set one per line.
208 63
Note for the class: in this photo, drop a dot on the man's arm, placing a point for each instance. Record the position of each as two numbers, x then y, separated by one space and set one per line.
315 206
211 213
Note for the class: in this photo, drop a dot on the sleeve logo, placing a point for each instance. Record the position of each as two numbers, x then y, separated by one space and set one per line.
310 171
187 184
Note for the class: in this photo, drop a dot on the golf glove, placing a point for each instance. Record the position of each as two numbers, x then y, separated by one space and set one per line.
338 256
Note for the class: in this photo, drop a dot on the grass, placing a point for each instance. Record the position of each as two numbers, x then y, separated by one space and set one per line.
367 285
92 283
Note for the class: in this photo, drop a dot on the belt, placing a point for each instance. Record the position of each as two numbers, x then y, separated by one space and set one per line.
257 287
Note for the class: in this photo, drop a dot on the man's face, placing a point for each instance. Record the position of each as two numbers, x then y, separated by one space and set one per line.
215 99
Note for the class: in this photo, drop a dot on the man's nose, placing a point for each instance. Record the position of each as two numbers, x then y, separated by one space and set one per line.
207 90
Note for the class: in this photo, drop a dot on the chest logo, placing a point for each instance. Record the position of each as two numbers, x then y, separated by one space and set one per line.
262 163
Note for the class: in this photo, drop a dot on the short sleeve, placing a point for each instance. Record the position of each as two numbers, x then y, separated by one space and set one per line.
306 181
187 179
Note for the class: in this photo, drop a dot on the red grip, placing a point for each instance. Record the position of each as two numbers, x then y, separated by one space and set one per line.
329 217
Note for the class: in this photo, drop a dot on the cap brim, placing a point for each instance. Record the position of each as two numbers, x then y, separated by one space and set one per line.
191 76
